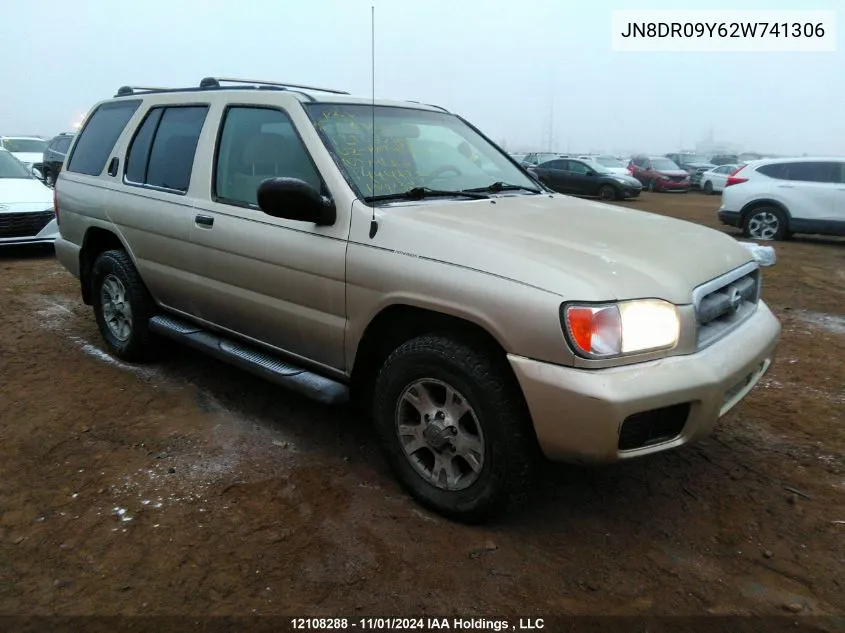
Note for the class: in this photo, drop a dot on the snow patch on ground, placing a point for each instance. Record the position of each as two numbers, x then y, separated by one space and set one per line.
832 323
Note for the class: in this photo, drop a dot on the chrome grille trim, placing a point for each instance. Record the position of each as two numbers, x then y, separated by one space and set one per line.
724 303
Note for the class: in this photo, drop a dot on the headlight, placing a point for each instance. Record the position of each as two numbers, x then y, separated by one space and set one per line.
624 181
616 329
662 177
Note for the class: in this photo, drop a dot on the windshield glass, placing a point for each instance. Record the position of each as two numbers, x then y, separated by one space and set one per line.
663 163
33 145
11 167
413 148
694 158
609 161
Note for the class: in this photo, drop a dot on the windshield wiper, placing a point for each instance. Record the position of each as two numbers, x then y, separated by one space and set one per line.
419 193
502 186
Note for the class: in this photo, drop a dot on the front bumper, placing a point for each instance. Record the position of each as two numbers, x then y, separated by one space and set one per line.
630 191
731 218
672 185
597 415
16 232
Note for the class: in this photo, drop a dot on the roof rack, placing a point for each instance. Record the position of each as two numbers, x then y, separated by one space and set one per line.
214 82
131 90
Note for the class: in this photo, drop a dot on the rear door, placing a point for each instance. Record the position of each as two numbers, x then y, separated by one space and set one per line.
553 173
839 197
807 188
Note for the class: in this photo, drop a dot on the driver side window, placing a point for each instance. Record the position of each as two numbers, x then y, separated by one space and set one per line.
579 168
255 144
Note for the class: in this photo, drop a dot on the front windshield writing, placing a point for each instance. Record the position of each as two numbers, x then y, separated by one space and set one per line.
412 148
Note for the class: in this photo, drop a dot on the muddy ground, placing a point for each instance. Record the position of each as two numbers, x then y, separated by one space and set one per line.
189 487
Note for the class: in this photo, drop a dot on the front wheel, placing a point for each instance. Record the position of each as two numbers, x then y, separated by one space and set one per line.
454 428
652 185
48 178
122 306
608 192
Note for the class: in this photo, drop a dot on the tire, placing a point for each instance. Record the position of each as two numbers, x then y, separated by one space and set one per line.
48 178
652 185
765 223
708 188
496 425
608 192
112 277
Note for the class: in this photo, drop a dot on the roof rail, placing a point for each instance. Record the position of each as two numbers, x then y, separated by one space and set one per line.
131 90
214 82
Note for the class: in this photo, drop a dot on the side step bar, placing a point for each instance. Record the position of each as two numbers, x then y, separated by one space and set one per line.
260 363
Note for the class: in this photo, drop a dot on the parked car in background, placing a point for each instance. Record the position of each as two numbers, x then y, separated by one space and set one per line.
604 163
27 149
578 177
713 180
771 199
535 158
54 157
693 164
26 205
725 159
658 173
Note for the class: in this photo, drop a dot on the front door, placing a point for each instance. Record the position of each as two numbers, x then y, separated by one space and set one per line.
275 281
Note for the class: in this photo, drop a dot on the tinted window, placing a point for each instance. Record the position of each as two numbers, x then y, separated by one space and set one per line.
256 144
174 147
577 167
139 150
63 144
97 138
554 164
776 170
813 172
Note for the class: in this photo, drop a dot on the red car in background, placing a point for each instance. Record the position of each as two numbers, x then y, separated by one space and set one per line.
658 173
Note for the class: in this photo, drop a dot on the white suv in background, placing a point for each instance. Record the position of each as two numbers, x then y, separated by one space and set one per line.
771 199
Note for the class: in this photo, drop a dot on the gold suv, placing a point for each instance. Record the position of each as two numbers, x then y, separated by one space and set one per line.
389 251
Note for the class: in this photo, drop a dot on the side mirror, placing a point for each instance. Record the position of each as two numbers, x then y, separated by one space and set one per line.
591 173
295 199
36 174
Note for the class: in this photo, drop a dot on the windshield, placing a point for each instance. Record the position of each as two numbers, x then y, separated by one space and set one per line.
11 167
664 164
693 158
609 161
32 145
413 148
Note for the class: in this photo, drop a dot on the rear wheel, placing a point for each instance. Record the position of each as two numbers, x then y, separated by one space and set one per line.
454 428
608 192
122 306
766 223
708 188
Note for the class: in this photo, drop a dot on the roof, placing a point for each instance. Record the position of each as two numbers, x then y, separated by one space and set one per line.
796 159
301 92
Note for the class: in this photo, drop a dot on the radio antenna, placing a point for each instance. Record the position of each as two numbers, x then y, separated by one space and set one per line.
373 223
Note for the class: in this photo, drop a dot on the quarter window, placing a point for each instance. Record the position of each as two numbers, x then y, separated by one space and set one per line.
97 138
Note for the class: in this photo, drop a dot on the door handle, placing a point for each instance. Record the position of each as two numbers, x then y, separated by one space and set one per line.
204 221
785 187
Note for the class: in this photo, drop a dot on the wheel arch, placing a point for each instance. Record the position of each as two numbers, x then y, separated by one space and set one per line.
97 240
397 323
764 202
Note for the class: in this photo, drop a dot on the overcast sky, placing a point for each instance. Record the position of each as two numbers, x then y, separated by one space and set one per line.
501 64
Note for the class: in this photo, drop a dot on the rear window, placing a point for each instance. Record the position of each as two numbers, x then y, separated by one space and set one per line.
97 138
25 145
63 144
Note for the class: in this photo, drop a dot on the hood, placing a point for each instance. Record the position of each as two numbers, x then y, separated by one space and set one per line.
579 249
672 172
25 191
29 157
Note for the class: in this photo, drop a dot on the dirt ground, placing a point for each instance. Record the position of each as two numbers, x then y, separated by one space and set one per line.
189 487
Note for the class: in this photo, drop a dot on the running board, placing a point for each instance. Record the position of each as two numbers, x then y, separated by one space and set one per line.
249 359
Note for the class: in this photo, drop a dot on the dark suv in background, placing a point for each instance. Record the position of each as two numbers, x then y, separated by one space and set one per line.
54 157
658 173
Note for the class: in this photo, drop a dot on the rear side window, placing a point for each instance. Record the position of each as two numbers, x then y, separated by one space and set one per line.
97 138
804 171
162 153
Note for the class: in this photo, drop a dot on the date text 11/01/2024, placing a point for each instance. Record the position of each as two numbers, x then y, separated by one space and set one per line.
415 624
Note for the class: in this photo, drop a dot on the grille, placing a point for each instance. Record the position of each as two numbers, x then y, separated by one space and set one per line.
648 428
722 304
23 224
677 178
